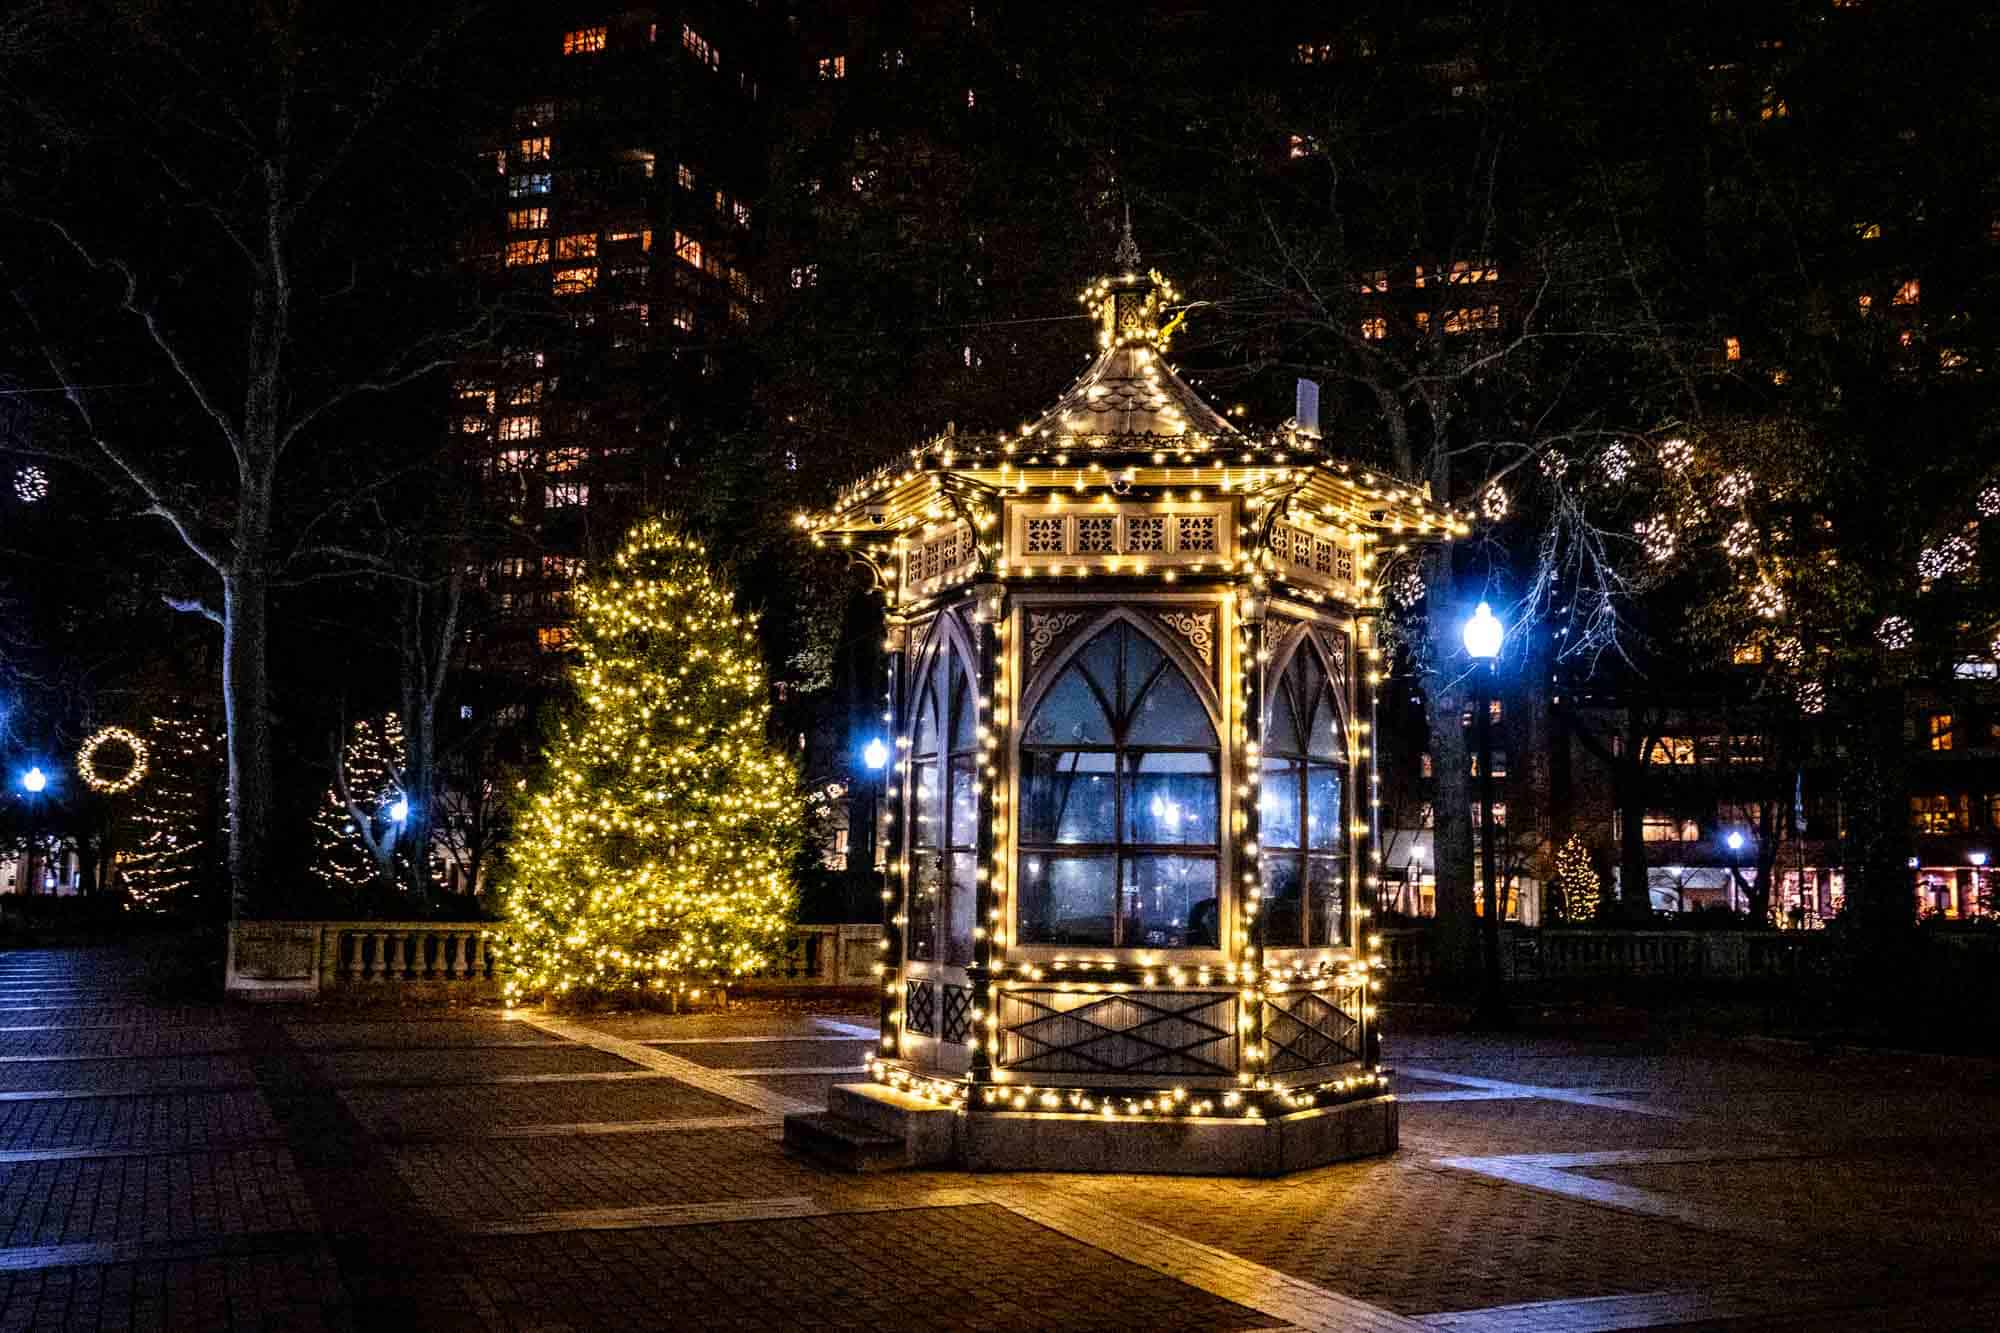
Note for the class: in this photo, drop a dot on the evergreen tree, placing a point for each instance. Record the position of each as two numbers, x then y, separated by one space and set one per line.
660 843
173 816
1579 894
347 856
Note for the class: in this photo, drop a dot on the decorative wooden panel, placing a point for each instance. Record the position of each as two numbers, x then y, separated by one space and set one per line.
1306 1029
1138 1032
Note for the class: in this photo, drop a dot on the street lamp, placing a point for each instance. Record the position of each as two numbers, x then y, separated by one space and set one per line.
399 809
1483 635
34 782
1735 841
875 754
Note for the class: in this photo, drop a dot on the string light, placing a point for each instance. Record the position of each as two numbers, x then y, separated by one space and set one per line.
656 850
1894 633
96 780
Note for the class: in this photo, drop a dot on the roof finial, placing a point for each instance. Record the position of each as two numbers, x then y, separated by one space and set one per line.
1128 249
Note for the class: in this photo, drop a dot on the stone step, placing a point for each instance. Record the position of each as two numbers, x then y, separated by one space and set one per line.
843 1144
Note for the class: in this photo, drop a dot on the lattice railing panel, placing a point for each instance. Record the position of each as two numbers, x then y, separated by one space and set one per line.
1306 1029
1058 1032
920 1008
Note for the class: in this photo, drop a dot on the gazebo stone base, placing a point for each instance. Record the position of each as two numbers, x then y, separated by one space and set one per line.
1279 1145
934 1136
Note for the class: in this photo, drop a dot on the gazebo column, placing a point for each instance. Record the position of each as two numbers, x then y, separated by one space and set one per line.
1366 672
1252 663
989 609
890 975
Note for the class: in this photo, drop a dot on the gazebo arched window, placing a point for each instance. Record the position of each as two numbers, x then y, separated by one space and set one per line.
944 814
1303 808
1120 804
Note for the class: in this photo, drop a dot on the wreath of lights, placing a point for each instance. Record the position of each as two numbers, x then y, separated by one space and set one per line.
1895 634
31 485
1493 502
86 761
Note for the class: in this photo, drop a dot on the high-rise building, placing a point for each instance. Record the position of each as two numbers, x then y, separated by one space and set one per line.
620 251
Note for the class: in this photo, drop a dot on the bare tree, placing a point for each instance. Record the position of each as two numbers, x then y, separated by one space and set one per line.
185 214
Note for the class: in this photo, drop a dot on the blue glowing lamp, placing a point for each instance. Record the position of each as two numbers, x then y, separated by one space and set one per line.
1735 840
33 781
399 809
1483 634
875 753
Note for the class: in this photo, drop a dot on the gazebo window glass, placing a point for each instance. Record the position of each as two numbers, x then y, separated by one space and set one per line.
944 815
1303 809
1120 804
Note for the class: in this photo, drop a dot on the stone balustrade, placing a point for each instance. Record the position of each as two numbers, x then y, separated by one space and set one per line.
1557 955
448 961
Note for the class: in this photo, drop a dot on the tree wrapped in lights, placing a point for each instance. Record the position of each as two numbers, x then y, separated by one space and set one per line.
173 816
350 829
1579 892
660 844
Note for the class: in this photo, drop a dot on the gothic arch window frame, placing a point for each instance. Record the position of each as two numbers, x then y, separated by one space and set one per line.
1292 904
1132 860
952 762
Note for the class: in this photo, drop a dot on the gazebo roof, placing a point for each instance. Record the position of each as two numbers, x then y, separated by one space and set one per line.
1130 416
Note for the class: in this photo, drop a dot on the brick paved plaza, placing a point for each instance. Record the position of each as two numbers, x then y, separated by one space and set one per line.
185 1166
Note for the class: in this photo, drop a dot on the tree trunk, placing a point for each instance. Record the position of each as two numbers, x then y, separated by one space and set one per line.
1635 896
246 704
1451 775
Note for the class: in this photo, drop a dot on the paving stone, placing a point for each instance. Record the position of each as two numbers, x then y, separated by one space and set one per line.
393 1112
156 1197
760 1055
121 1076
161 1120
321 1033
461 1063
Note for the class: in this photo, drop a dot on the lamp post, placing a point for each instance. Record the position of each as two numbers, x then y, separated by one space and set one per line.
875 755
1978 896
34 782
1735 840
1483 635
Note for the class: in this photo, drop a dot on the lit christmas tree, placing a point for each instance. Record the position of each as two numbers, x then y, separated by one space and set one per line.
660 843
1578 890
173 846
371 763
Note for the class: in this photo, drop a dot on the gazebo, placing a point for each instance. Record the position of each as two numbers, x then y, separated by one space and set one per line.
1130 836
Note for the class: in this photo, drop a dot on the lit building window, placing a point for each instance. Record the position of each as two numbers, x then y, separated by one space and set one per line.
565 495
687 249
972 101
521 187
1472 319
584 41
685 175
1747 654
1770 106
527 252
1375 328
524 395
1661 826
682 318
1868 231
1499 815
553 638
1864 303
1378 281
699 48
1939 813
520 428
528 219
805 276
1938 731
581 245
1313 53
1908 293
1732 349
832 67
535 149
1674 750
570 281
567 459
515 460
